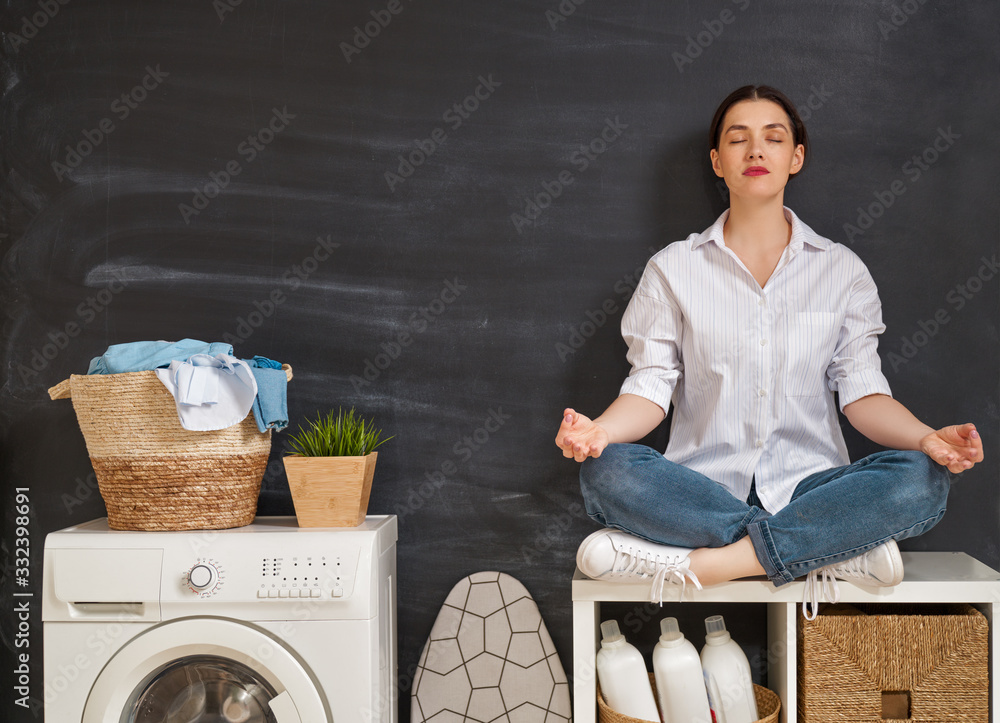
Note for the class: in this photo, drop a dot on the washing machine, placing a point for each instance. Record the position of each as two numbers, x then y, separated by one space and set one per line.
265 623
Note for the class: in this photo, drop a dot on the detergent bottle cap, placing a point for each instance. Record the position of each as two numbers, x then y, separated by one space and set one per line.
670 633
715 630
610 634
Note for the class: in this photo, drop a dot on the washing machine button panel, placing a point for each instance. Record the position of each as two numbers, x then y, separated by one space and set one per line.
329 576
265 593
227 574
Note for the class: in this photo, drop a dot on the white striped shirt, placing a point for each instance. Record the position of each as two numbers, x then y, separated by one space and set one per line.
751 372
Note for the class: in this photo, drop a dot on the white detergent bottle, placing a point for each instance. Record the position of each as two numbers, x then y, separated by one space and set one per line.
680 683
727 675
622 674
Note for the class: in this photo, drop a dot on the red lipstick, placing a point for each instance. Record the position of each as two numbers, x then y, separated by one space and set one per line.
756 171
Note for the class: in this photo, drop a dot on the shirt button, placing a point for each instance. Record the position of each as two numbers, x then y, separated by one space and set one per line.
762 393
759 443
762 302
763 342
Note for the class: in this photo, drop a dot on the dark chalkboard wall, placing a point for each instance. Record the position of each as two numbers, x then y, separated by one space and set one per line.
435 211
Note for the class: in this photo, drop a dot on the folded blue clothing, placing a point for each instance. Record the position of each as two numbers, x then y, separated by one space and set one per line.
263 362
270 407
140 356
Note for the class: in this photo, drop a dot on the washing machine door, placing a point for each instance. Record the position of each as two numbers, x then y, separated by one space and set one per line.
205 670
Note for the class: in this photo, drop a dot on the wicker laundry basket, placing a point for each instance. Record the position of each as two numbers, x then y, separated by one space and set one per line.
894 662
768 706
152 473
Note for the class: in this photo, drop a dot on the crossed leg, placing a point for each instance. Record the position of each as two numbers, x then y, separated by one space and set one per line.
833 515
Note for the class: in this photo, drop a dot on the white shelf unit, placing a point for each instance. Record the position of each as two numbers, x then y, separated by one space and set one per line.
930 577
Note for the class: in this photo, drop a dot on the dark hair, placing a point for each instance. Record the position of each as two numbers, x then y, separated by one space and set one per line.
759 92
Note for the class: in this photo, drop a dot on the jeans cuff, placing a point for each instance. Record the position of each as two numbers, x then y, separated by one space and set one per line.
767 553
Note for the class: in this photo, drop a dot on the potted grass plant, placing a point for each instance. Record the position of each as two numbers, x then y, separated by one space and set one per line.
330 468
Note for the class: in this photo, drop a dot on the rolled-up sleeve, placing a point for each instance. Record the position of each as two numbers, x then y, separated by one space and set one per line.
856 369
652 326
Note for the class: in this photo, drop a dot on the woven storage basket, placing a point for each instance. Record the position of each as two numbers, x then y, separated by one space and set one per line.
152 473
932 660
768 706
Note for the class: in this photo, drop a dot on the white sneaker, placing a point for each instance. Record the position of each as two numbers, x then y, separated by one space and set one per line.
881 566
619 557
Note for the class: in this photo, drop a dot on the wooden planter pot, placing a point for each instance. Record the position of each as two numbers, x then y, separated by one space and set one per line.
330 491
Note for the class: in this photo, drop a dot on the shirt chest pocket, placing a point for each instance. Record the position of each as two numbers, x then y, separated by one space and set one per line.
811 342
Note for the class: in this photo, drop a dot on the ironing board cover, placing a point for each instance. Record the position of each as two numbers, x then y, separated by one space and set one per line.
490 659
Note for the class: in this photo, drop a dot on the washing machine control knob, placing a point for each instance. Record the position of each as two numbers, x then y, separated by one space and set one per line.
203 576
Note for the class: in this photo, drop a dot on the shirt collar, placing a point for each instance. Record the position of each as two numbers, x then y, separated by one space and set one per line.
801 233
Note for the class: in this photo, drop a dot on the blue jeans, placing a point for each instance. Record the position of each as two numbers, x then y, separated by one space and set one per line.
833 515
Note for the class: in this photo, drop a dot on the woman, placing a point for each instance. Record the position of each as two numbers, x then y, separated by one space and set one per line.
748 329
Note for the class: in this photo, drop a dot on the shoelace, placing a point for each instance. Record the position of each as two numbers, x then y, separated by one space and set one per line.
661 571
854 568
812 588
